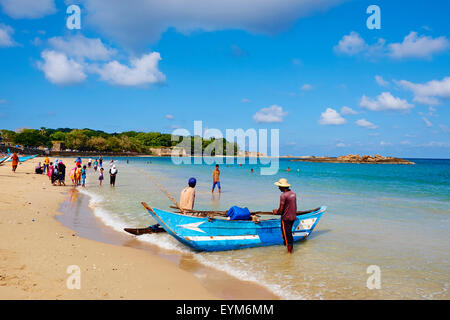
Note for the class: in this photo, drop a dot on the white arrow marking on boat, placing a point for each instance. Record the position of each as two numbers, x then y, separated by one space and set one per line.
192 226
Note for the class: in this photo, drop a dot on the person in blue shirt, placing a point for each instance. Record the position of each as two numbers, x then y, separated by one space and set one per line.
83 176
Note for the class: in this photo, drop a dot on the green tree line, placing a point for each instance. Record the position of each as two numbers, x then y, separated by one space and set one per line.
96 140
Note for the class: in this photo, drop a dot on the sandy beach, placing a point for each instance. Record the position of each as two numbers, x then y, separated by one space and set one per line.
36 251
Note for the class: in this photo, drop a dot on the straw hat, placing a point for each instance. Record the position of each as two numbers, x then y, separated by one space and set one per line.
282 183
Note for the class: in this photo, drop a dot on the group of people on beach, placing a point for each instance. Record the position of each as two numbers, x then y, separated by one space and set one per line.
56 171
79 173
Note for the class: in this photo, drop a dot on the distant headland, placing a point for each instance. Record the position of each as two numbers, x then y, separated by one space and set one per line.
355 158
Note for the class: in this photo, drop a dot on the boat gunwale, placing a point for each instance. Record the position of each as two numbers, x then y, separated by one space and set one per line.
320 210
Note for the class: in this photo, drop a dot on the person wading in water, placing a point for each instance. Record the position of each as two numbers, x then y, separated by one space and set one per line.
288 212
216 179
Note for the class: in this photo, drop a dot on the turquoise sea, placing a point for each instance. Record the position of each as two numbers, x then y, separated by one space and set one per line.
395 217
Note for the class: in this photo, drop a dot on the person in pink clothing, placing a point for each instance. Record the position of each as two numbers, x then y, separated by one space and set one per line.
50 171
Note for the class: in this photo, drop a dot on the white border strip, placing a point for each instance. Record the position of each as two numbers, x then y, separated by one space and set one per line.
221 238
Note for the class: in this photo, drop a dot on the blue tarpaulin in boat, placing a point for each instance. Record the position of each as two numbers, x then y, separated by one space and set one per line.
237 213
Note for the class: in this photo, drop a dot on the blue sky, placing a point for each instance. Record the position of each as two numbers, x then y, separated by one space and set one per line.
290 65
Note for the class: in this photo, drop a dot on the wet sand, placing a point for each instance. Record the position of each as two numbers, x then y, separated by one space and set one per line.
36 251
39 248
78 216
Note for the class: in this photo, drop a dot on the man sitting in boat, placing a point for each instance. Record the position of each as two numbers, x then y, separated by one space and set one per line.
187 196
288 212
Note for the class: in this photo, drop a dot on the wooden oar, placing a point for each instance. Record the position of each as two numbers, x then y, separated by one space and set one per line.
139 231
165 192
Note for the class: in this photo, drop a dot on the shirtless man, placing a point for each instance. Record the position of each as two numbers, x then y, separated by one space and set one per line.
187 196
216 174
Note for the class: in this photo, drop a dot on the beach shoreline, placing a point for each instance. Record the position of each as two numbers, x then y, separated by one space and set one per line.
38 250
78 215
50 238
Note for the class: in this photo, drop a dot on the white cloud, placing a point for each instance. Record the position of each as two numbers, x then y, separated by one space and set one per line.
272 114
431 110
427 122
444 128
438 144
385 101
306 87
28 9
331 117
59 69
366 124
245 100
137 22
428 93
169 116
6 36
414 46
80 47
351 44
385 144
346 110
341 145
142 71
381 81
36 41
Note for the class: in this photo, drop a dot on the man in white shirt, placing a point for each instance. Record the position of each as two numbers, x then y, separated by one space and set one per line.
187 197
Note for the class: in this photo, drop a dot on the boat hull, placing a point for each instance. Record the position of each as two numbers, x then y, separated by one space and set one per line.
211 234
25 158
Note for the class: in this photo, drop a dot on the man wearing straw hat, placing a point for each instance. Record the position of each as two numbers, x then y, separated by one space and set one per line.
288 212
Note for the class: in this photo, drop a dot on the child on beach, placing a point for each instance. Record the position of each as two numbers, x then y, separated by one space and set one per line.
95 165
50 171
78 175
83 176
73 176
100 178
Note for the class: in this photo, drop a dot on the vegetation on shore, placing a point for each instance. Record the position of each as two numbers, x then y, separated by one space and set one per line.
355 158
100 141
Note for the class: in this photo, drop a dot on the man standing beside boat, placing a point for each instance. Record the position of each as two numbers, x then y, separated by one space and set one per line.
288 212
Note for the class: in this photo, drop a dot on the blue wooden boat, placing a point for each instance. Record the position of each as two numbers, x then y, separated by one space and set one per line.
219 234
4 159
25 158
